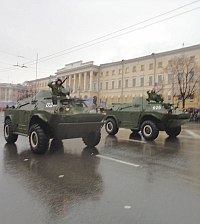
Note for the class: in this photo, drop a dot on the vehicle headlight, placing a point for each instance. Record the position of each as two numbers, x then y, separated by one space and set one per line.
56 111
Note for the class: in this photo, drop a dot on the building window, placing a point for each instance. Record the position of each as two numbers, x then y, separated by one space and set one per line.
113 84
180 60
127 70
95 86
101 74
151 66
107 73
180 76
169 98
106 85
192 59
120 71
159 64
169 78
126 99
133 82
126 83
142 67
119 83
113 72
191 76
118 99
134 68
170 63
150 80
88 86
159 80
191 98
100 86
141 81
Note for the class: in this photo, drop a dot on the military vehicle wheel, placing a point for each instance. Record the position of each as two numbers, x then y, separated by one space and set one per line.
173 132
111 126
8 132
92 139
39 141
149 130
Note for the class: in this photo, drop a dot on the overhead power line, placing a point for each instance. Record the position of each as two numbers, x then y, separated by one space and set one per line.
20 56
90 43
49 57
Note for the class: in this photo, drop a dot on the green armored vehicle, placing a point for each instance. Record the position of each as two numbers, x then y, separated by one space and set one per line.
46 117
145 115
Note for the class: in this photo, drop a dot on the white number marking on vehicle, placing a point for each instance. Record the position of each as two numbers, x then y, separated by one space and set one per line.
49 105
156 107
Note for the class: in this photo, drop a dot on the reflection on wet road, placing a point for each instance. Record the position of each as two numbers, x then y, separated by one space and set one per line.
56 178
123 180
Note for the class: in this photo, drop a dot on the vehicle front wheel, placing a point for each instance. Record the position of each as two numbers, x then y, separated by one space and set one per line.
173 132
8 132
39 141
149 130
92 139
111 126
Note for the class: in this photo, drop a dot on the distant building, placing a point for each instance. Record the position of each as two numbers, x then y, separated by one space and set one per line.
36 85
10 93
121 81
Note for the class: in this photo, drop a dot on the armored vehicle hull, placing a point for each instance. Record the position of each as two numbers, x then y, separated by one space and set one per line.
43 118
149 117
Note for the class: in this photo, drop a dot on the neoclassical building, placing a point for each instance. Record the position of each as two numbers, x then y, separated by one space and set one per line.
83 78
121 81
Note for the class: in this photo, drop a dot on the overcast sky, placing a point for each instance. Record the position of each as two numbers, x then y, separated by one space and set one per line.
89 29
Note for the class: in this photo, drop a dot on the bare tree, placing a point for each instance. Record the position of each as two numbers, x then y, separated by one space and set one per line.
185 77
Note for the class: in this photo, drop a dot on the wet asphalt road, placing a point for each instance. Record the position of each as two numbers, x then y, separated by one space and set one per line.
123 180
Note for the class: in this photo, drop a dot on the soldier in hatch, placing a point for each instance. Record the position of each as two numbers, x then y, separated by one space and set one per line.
152 95
57 88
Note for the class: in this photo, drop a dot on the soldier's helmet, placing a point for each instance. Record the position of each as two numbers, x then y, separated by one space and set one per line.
57 80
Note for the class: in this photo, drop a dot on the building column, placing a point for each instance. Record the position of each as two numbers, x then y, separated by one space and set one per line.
79 81
97 82
91 80
70 80
85 78
74 86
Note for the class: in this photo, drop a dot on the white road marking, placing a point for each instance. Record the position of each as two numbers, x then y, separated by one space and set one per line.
192 133
185 136
127 206
118 161
132 140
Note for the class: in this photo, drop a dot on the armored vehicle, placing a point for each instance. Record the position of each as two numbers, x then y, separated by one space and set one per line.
46 117
147 116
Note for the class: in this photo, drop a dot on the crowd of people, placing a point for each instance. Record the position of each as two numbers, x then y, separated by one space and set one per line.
195 115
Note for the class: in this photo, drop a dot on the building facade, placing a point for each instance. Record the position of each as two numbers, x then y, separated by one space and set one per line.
11 93
120 82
